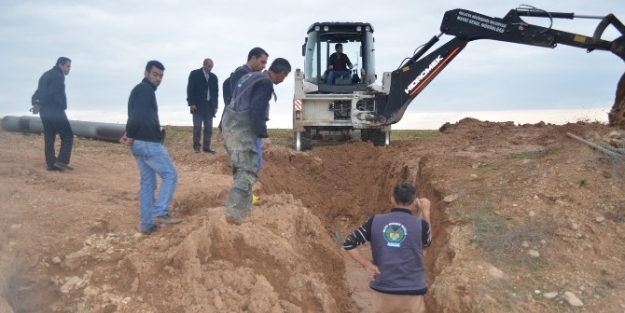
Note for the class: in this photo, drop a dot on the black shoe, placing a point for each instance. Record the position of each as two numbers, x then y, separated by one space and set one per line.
62 166
197 150
166 220
54 169
209 150
149 230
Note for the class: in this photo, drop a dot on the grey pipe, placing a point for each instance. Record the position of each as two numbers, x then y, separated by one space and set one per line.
32 124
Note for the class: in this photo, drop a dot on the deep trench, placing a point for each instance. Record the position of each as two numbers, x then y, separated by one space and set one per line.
362 179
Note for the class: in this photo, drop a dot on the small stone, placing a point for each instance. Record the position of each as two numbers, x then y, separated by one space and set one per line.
525 244
537 291
515 205
88 242
536 197
474 176
533 253
16 226
90 291
56 260
532 214
451 198
572 299
600 219
550 295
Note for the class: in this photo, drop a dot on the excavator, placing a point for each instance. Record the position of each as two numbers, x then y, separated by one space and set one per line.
342 101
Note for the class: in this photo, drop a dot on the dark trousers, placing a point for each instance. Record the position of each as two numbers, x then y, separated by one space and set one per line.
53 124
199 119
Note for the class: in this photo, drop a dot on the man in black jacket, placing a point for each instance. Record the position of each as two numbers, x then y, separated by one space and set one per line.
51 102
203 100
144 136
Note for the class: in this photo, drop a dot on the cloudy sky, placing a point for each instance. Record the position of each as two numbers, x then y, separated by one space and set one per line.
109 43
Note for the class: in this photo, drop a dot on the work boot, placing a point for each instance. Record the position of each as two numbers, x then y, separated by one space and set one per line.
62 166
166 220
149 230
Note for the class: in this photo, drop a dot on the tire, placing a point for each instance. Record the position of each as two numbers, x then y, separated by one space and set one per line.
616 117
376 136
304 138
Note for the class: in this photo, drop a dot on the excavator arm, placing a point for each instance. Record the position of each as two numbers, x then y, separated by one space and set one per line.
418 71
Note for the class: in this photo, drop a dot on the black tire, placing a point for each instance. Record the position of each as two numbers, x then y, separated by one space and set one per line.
305 141
376 136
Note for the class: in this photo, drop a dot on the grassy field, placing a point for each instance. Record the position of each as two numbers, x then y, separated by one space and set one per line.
284 137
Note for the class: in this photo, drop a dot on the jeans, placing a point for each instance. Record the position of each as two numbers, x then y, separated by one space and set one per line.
205 118
152 158
57 123
259 145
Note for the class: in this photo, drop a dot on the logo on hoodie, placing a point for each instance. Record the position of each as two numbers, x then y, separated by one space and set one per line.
394 234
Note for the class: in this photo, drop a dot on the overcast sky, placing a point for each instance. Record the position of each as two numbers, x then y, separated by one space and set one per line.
109 43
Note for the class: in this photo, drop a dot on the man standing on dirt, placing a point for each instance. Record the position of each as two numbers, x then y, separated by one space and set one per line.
51 102
203 100
144 136
244 123
397 241
256 62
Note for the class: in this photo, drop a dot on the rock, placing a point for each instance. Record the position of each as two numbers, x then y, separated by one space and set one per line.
16 226
70 284
135 285
614 134
574 226
532 214
525 244
616 143
56 260
474 176
550 295
451 198
600 219
572 299
90 292
495 272
533 253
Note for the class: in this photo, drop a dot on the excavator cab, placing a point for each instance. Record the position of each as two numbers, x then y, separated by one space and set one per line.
322 41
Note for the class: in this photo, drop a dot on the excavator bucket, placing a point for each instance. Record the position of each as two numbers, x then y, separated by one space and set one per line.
616 117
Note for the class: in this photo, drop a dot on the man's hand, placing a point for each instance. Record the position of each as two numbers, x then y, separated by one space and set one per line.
265 143
35 109
193 107
215 113
423 204
125 140
373 270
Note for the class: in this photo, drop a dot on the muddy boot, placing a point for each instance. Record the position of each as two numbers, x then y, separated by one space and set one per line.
238 206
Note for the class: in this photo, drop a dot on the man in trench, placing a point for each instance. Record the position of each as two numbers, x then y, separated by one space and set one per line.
244 121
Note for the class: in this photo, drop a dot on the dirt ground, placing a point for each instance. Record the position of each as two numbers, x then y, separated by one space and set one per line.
525 219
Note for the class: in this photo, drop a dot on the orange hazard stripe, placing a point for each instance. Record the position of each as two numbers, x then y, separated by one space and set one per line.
434 71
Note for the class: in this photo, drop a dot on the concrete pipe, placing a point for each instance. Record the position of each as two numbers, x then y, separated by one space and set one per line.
32 124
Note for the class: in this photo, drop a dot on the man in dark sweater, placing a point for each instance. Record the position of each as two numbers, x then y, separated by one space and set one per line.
50 101
245 134
144 136
397 241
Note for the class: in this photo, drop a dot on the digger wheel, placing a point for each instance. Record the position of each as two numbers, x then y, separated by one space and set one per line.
616 117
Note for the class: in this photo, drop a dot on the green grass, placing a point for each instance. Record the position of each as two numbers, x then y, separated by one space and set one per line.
284 137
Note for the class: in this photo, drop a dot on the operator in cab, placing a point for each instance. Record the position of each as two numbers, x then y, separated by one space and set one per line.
338 64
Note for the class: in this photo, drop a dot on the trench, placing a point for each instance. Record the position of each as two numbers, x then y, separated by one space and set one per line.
344 185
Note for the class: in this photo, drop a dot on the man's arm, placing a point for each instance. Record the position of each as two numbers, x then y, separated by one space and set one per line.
348 62
424 205
140 100
359 237
54 88
261 94
190 88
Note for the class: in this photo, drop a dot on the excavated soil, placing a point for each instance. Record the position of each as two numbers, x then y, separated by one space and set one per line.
524 218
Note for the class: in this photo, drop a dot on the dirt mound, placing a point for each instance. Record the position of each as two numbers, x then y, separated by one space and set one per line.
523 217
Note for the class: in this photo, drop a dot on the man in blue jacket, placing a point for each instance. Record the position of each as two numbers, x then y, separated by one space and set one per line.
397 241
51 102
145 138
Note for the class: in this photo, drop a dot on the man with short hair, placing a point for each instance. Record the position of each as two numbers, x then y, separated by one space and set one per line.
50 102
145 139
256 62
203 100
397 241
338 63
244 123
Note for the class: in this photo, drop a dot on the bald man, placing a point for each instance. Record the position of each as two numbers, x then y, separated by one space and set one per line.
203 100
